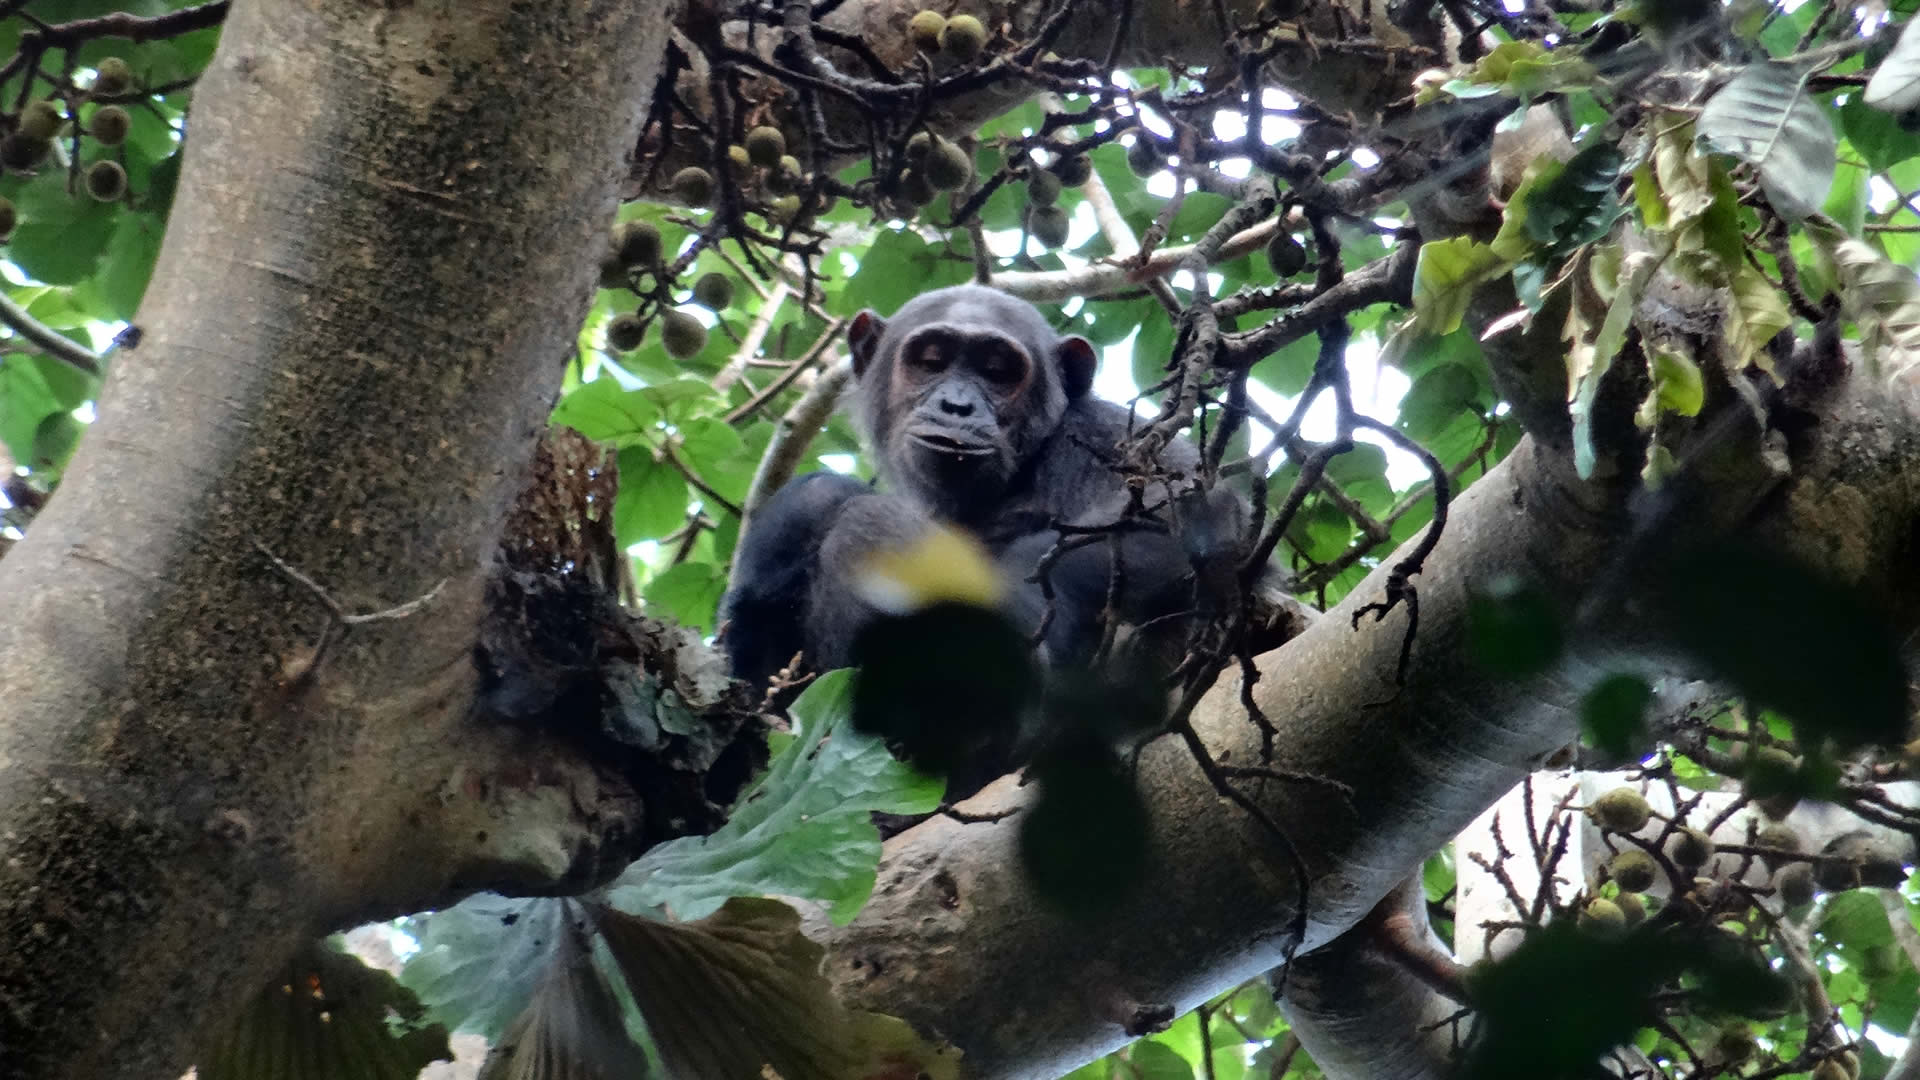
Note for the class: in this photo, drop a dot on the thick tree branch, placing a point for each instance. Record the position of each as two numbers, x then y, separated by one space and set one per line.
955 942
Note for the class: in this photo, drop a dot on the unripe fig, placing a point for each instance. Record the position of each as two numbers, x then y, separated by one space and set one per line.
714 291
1836 873
1074 170
1632 906
20 152
1287 257
766 146
783 209
1794 884
1043 188
737 157
1735 1043
1621 810
917 189
109 125
1049 225
917 147
637 244
1143 157
785 178
693 186
112 76
963 38
681 333
106 180
626 332
1633 870
1830 1069
1602 916
41 120
1777 837
1690 849
924 30
948 167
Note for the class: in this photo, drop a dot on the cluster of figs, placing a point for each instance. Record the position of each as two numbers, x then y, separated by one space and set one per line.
635 247
1851 862
40 121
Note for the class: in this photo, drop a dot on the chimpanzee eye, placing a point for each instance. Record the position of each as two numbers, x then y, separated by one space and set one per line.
1001 365
928 354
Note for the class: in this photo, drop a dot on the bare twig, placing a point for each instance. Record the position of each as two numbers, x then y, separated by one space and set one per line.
48 341
756 336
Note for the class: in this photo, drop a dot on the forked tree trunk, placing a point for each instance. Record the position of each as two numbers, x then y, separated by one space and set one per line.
381 250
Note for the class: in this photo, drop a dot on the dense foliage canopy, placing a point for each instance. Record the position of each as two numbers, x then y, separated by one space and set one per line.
1563 351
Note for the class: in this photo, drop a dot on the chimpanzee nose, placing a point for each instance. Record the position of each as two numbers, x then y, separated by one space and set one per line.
956 408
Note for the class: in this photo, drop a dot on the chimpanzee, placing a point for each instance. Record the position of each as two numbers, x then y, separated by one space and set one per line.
978 415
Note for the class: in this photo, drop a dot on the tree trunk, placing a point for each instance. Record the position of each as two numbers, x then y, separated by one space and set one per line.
382 247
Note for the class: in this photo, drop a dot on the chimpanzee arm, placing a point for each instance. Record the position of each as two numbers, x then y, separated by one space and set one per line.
1158 560
765 607
793 588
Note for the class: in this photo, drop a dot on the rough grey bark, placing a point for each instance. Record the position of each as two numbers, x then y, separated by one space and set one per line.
381 249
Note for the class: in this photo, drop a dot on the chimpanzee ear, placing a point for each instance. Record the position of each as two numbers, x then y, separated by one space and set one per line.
863 336
1077 364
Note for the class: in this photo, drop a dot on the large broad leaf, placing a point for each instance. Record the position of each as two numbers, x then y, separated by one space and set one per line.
1577 204
804 830
1766 117
1444 280
481 960
573 1029
1883 299
1589 360
327 1015
1755 313
1895 86
604 412
739 995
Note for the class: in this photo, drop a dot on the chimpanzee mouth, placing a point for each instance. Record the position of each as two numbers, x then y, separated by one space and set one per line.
948 445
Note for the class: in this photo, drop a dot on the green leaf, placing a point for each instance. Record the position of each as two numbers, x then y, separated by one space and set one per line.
480 960
1287 371
1154 1060
688 594
1877 137
1576 204
1883 299
897 267
804 830
25 402
1588 362
129 266
1895 85
1444 280
1856 919
603 412
1755 313
1766 117
717 454
1436 398
741 994
1678 388
326 1015
573 1027
65 248
653 498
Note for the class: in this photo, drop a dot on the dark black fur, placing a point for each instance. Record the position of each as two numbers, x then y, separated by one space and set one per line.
955 439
